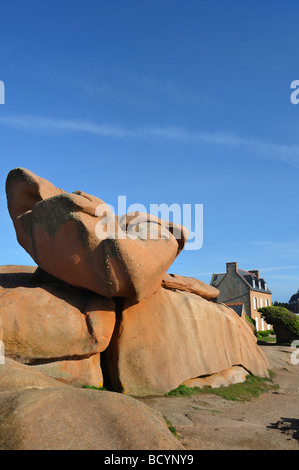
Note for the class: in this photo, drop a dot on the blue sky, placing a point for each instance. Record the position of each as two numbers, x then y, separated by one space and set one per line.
163 101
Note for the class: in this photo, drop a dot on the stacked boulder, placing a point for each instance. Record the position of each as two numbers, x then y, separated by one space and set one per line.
100 308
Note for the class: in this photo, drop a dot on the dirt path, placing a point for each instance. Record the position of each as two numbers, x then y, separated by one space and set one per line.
271 422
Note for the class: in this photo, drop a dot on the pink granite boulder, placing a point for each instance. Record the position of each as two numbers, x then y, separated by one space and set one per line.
174 336
54 327
77 238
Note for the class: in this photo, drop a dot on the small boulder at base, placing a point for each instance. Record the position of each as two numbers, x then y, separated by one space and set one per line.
233 375
42 414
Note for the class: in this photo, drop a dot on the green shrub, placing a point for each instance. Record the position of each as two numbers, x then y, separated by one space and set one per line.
279 316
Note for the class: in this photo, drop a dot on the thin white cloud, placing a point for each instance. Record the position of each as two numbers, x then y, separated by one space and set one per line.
147 92
47 124
286 153
181 95
285 248
285 277
279 268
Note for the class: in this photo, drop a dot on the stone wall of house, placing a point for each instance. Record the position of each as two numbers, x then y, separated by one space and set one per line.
233 289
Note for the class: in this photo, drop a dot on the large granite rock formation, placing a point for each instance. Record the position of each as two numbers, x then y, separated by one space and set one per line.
104 310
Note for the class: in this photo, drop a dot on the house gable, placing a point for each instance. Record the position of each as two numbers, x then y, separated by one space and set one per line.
240 286
233 288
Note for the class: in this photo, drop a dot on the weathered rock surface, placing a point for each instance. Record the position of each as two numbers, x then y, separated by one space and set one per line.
147 347
189 284
16 269
15 377
71 236
54 326
39 413
233 375
175 336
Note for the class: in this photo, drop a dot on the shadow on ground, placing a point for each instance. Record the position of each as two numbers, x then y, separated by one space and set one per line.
288 426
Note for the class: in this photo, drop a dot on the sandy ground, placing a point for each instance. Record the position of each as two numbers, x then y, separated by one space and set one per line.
270 422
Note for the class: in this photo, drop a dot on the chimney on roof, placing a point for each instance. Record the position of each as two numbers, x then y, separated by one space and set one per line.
231 267
255 272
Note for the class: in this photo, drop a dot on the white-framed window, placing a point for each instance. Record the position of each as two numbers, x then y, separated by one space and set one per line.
261 303
254 303
253 283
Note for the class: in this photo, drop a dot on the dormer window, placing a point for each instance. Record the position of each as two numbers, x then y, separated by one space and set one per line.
260 285
265 286
253 283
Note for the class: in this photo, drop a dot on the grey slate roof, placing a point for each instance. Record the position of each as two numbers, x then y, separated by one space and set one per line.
254 281
216 278
238 308
251 279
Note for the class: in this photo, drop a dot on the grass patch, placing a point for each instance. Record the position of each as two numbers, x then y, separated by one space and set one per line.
266 336
94 388
183 390
171 427
265 339
245 391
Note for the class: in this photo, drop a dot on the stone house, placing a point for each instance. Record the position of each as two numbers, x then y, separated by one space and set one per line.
237 286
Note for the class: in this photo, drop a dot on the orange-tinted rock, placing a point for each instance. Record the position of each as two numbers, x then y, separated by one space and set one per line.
175 336
39 413
189 284
233 375
72 237
13 269
55 326
15 377
77 372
